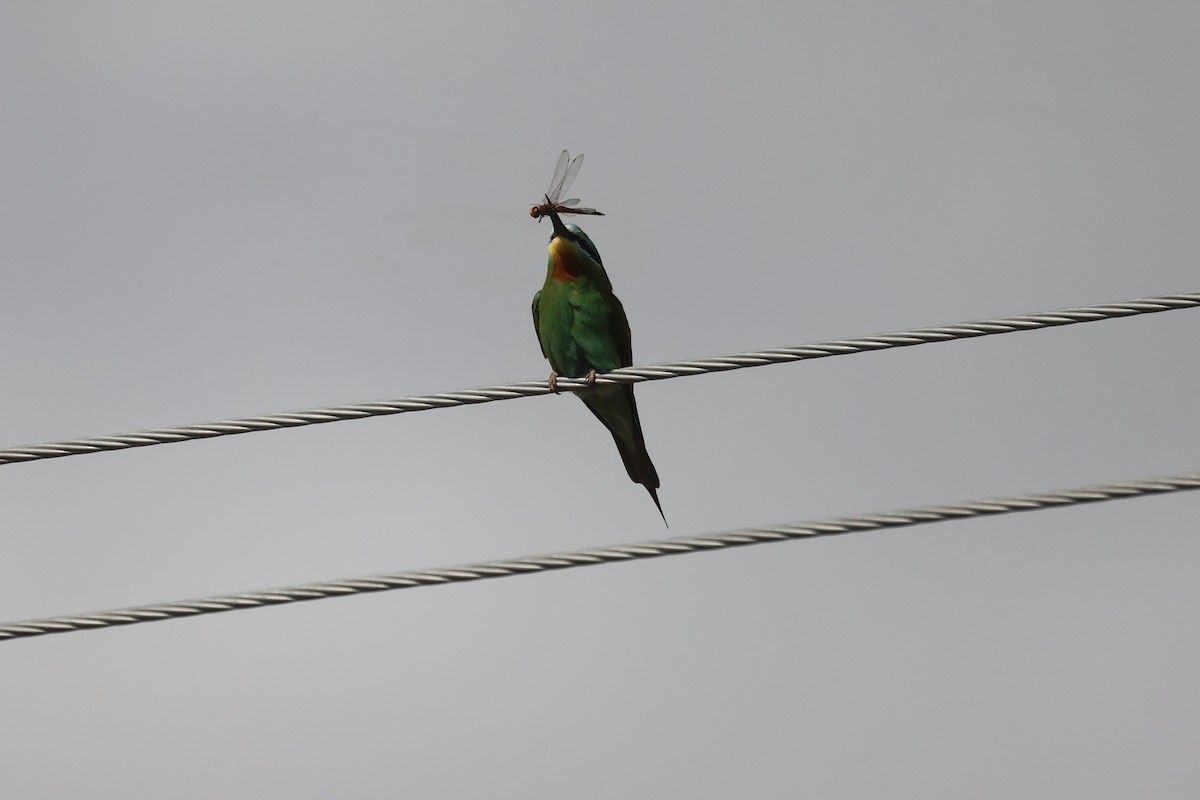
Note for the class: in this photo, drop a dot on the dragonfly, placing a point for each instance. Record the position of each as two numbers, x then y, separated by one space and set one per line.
564 175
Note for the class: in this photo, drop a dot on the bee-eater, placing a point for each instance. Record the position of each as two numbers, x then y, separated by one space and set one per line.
583 330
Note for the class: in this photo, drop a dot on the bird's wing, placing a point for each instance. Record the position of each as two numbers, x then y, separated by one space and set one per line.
621 334
599 329
537 330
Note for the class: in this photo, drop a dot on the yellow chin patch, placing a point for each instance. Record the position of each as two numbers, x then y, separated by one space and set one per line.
564 254
560 247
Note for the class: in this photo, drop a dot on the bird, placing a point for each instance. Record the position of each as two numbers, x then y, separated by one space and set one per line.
582 329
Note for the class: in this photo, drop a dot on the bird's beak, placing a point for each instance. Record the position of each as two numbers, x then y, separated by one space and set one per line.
559 228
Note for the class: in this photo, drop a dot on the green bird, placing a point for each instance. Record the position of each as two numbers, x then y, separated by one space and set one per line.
583 330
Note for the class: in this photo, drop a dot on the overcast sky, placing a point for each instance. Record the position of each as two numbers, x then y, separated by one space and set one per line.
232 208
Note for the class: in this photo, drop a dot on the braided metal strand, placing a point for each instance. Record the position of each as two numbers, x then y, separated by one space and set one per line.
606 555
654 372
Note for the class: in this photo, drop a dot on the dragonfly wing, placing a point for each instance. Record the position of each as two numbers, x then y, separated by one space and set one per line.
559 177
571 202
569 176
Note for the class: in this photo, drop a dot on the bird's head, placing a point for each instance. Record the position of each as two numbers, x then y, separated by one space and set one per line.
567 239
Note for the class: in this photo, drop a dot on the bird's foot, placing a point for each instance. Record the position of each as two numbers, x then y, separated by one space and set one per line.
553 381
590 378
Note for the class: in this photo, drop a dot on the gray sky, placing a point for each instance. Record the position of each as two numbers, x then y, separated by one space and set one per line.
222 209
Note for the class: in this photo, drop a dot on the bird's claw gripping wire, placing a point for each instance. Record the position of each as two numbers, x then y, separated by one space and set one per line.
588 380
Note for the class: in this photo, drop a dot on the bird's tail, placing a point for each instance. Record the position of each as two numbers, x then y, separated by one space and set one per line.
641 470
616 408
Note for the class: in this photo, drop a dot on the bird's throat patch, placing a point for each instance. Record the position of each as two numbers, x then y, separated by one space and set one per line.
566 261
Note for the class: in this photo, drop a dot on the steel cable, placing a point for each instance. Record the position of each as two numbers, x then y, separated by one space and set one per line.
653 372
606 555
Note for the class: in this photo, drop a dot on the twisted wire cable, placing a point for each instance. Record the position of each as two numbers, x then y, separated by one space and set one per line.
606 555
653 372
